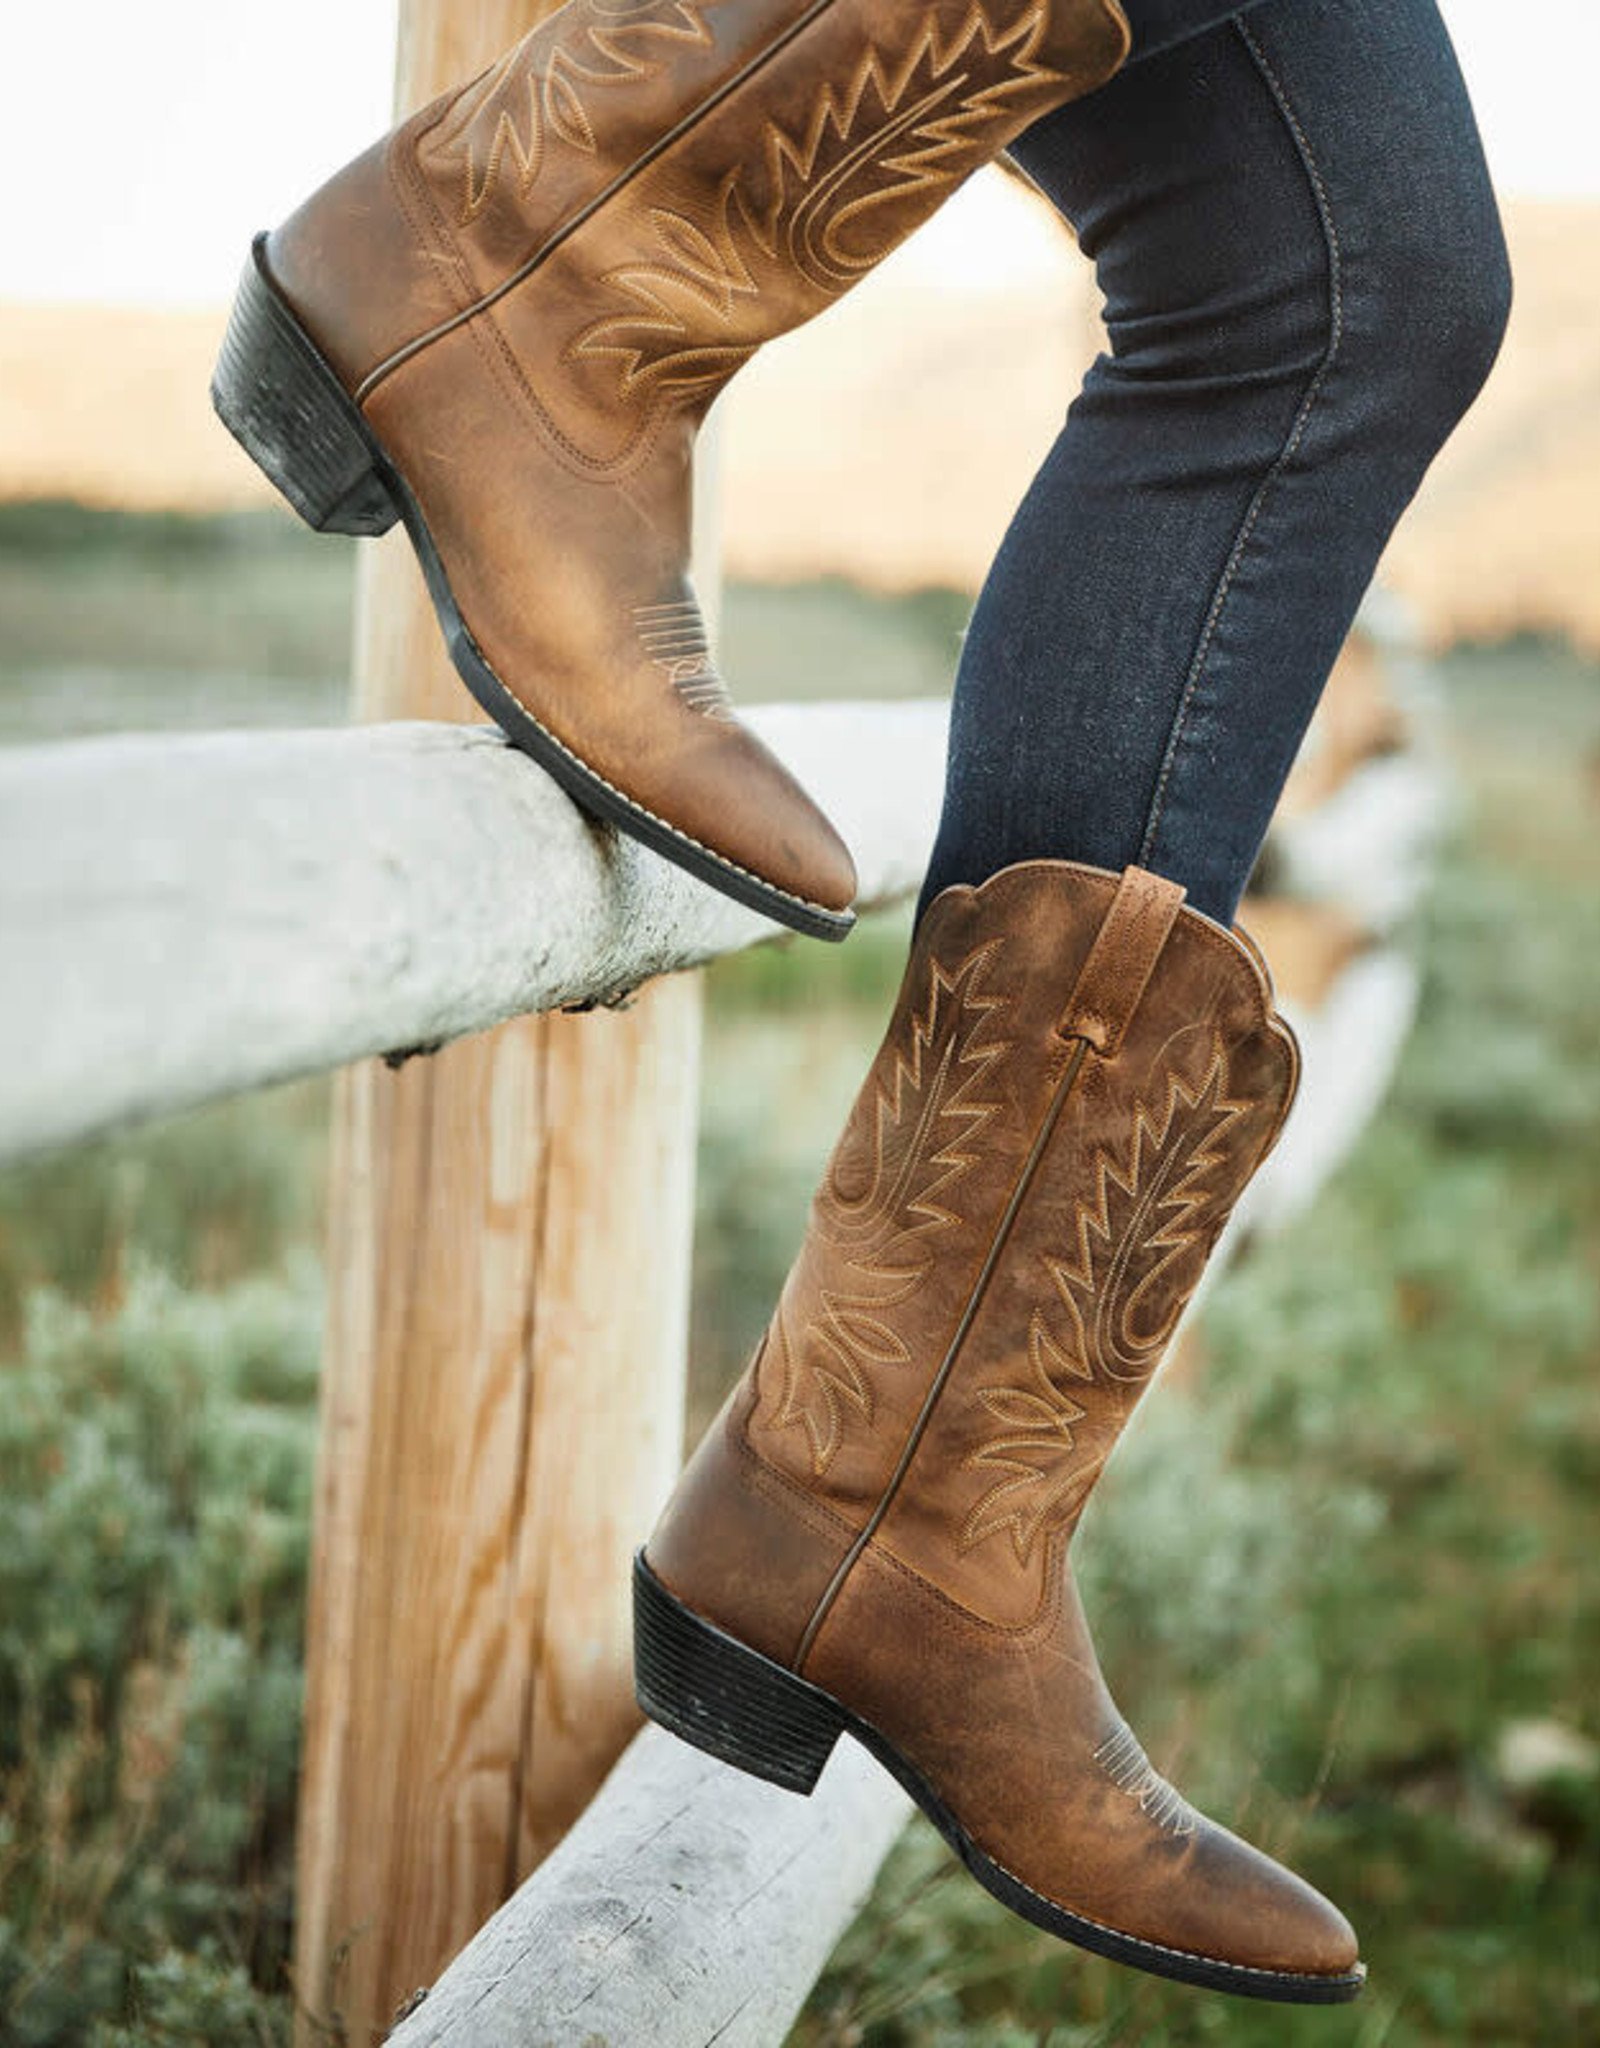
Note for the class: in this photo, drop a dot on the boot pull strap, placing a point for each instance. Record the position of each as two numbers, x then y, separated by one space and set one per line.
1121 960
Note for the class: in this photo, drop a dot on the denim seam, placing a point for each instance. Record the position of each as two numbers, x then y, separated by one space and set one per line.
1286 454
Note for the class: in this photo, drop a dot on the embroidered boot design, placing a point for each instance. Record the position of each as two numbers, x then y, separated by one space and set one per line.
521 104
1153 1213
888 1195
875 154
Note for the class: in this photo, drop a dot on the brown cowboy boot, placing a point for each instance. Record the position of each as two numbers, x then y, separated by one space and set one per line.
505 323
1079 1079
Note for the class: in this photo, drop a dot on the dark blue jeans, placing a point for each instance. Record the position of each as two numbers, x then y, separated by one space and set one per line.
1305 285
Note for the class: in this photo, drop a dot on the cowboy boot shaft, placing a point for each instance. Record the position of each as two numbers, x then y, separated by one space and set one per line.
727 167
1151 1147
601 85
771 205
1012 1222
906 1213
483 179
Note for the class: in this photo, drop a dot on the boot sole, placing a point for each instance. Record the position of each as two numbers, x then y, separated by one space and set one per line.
702 1684
282 402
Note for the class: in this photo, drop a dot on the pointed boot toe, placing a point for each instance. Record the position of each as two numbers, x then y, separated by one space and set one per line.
504 324
727 790
789 839
1298 1933
1233 1920
1080 1077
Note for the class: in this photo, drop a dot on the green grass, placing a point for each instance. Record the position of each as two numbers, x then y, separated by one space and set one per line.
155 1479
159 1334
207 1198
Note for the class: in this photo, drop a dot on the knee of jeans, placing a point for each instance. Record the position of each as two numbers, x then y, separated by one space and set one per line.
1444 300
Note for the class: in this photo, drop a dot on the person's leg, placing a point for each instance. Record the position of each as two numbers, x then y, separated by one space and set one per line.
1159 24
1081 1071
1306 284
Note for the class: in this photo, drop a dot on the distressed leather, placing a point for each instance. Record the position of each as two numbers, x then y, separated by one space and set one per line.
537 285
1079 1079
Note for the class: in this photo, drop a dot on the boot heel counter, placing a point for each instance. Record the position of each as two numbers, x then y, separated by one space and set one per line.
361 268
727 1699
741 1544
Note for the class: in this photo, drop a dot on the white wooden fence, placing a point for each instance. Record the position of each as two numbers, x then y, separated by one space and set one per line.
186 917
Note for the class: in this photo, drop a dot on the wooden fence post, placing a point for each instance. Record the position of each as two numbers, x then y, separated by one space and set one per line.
503 1400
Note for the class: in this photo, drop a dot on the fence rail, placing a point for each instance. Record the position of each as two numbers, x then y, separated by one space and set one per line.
689 1905
189 917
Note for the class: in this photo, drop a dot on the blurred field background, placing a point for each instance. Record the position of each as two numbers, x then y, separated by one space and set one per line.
1343 1578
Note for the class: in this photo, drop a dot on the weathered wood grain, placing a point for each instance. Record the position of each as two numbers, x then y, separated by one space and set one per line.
187 917
502 1416
689 1905
505 1364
